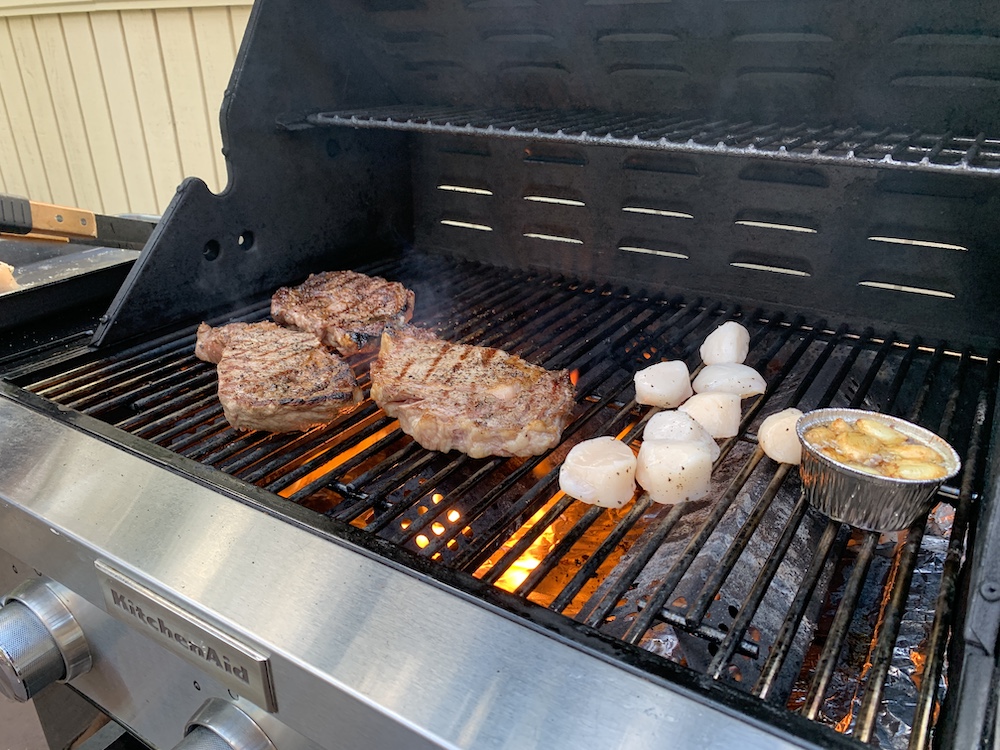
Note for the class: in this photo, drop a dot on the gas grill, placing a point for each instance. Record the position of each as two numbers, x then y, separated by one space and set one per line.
595 189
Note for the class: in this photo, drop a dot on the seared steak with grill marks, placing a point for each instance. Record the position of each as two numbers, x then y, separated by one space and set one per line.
478 400
212 342
275 379
346 310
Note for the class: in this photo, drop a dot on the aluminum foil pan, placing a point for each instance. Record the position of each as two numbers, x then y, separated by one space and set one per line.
867 501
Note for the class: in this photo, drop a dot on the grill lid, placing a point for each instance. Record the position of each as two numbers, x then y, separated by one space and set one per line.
320 172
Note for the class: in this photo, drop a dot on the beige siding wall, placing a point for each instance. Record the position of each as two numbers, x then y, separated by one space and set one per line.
110 109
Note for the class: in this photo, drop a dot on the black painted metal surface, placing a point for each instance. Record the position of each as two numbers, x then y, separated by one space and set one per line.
875 246
836 163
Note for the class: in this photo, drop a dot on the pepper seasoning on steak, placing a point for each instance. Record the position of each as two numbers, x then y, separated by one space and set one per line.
275 379
345 310
474 399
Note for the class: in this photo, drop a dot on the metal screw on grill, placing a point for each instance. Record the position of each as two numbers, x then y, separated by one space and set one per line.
990 591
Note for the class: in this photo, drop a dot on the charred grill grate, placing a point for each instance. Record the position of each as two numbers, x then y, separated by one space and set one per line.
818 144
750 587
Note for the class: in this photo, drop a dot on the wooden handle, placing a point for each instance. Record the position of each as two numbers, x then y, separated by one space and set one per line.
20 216
62 221
33 236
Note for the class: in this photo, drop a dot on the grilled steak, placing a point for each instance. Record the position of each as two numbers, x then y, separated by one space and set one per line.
345 310
212 341
275 379
478 400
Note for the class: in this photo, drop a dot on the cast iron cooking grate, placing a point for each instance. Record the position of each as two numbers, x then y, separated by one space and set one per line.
750 588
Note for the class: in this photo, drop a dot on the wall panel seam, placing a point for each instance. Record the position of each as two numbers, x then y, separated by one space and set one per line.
83 120
10 128
58 124
31 116
60 7
204 95
168 92
138 105
110 113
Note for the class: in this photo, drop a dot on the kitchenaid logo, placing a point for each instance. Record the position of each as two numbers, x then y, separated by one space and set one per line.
201 650
238 665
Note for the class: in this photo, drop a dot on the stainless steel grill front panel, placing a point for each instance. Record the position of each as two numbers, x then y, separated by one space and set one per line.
364 654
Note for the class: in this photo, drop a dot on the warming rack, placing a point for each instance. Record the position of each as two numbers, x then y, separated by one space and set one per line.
470 522
856 146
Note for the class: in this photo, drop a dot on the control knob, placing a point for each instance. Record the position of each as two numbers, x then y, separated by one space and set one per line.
40 641
221 725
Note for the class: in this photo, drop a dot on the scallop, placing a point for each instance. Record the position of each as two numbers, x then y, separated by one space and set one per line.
840 426
717 412
857 446
679 427
913 451
729 378
777 437
923 470
820 435
599 471
665 384
880 431
674 472
730 342
7 281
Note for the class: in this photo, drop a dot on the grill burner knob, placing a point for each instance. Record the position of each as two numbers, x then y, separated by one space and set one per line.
220 725
40 641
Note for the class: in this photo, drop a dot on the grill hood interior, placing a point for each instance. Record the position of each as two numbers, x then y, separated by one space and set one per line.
864 178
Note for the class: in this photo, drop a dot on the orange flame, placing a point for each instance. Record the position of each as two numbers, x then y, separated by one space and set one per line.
574 376
339 459
570 561
542 468
530 559
918 660
844 724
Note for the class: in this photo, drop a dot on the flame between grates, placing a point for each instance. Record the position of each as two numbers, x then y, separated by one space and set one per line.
749 586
